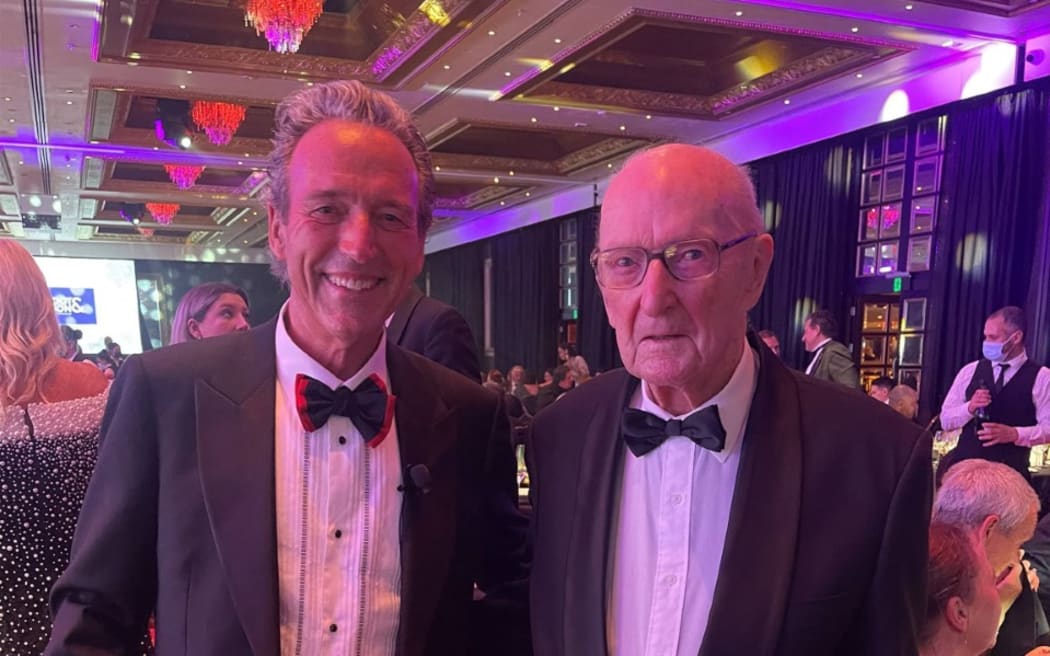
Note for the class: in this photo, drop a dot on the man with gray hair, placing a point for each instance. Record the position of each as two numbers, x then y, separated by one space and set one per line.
999 509
703 500
307 487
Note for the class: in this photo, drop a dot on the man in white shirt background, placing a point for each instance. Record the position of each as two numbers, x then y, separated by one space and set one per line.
1002 401
703 500
307 487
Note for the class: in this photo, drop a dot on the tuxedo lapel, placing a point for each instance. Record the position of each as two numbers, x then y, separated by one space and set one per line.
396 330
755 574
426 435
235 446
601 464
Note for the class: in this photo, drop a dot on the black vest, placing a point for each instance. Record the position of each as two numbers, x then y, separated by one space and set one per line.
1012 406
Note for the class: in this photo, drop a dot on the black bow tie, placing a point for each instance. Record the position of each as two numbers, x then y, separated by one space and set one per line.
643 431
368 406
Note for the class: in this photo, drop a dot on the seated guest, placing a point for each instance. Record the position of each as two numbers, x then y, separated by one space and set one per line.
71 344
880 389
769 338
495 376
996 506
209 310
50 413
578 370
517 382
561 382
962 603
905 400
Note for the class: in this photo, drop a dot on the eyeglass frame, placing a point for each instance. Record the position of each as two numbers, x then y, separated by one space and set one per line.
662 255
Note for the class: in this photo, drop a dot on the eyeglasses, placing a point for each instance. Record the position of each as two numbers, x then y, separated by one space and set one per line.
623 268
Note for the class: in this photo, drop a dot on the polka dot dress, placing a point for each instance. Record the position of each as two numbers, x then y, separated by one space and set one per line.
47 453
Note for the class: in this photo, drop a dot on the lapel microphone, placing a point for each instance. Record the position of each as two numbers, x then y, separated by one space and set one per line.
416 478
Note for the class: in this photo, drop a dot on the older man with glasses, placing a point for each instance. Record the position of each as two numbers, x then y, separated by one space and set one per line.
705 499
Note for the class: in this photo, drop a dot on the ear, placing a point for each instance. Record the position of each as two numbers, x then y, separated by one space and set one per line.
957 615
194 329
762 259
276 228
987 526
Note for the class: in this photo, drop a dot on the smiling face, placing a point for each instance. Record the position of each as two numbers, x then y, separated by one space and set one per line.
683 335
350 241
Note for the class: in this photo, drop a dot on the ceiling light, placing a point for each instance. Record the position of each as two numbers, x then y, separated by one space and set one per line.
7 98
609 165
908 7
189 72
533 119
527 194
948 44
557 40
446 67
557 109
506 73
185 141
69 102
622 128
502 203
182 86
135 55
133 63
510 172
495 180
854 29
648 117
172 122
35 201
492 33
437 168
69 90
860 75
57 206
739 13
10 120
787 101
240 163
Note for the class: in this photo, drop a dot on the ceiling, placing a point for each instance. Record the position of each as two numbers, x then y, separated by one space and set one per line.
528 107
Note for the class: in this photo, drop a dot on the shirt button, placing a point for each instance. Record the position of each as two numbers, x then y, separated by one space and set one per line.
342 439
333 628
676 499
670 580
338 533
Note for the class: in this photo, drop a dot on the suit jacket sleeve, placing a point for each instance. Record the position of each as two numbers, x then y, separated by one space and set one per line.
841 368
896 603
451 343
101 603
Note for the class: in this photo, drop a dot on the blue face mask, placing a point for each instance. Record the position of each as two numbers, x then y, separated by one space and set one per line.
994 351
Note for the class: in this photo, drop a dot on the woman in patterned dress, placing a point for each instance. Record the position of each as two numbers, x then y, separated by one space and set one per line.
50 412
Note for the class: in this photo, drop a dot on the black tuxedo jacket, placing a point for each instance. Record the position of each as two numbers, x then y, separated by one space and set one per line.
437 331
180 514
825 550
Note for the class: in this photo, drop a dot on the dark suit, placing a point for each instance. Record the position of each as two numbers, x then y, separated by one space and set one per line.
181 510
437 331
835 364
825 551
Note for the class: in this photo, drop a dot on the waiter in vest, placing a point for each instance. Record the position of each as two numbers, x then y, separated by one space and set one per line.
1002 401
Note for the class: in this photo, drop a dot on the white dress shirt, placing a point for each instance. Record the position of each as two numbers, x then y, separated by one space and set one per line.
816 356
338 520
671 528
955 411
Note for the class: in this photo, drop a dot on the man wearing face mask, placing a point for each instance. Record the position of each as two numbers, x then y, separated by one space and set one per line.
1002 401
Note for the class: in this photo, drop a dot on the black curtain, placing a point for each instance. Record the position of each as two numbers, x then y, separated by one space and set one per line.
595 338
457 277
525 314
990 246
809 199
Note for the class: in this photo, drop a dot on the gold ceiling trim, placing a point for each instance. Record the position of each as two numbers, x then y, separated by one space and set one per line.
475 199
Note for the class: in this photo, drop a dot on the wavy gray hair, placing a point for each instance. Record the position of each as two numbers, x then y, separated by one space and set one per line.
353 101
973 490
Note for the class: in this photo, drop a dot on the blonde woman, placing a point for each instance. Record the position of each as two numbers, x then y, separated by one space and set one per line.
50 411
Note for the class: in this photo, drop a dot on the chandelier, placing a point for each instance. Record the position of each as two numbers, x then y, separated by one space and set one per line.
184 175
163 212
284 22
219 120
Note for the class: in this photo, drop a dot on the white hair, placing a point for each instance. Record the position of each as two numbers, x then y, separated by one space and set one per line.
973 490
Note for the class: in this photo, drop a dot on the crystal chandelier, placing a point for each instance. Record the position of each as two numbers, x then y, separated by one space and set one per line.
219 120
163 212
184 175
284 22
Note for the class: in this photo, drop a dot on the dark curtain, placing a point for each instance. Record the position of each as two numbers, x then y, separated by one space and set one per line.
525 314
1038 306
457 277
988 236
809 199
595 338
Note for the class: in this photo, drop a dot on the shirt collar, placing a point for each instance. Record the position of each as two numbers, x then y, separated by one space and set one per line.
733 401
292 360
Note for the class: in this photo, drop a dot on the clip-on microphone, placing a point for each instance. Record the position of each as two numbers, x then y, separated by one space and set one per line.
416 478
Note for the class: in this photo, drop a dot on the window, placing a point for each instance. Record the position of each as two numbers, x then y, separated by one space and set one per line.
899 194
568 270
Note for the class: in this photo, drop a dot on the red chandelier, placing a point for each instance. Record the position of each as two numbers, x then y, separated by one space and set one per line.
163 212
219 120
184 175
284 22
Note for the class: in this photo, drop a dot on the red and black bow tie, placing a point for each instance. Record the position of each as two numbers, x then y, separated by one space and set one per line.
368 406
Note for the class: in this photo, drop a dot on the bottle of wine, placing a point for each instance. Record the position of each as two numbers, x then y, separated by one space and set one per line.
982 415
